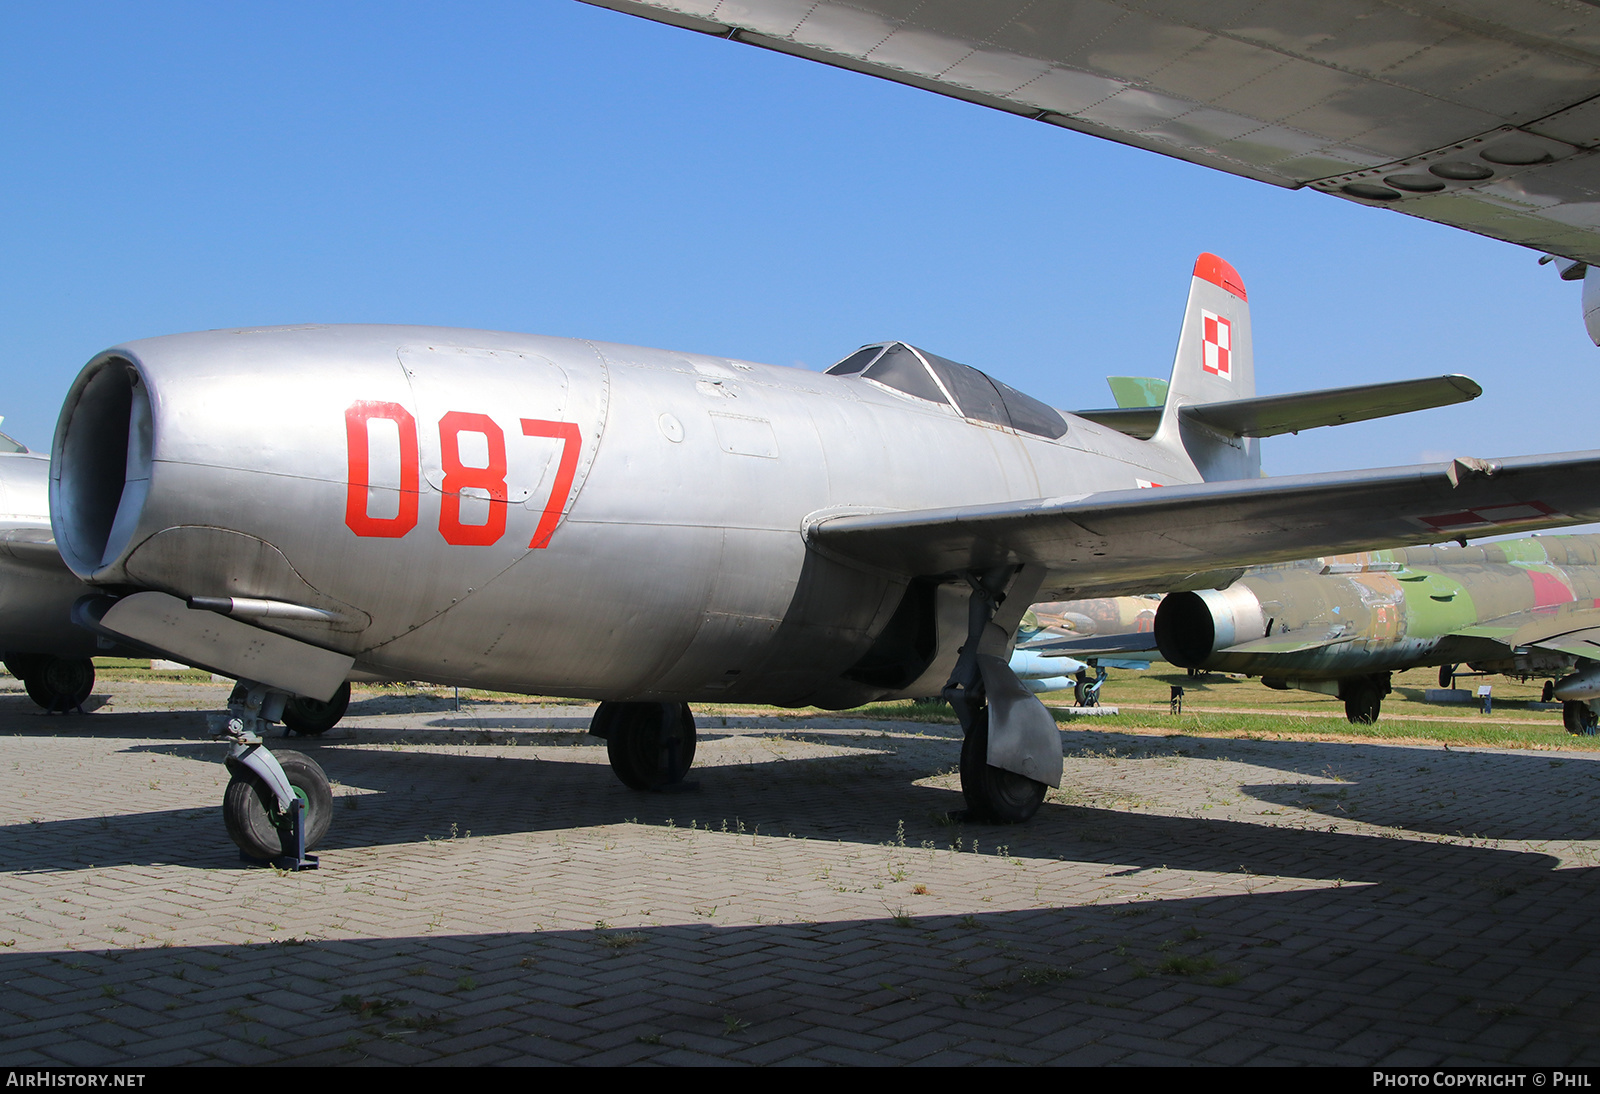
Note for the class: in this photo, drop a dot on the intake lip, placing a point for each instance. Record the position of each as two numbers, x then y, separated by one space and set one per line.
100 464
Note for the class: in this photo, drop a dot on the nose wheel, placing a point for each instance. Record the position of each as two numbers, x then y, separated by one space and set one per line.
277 805
650 745
260 826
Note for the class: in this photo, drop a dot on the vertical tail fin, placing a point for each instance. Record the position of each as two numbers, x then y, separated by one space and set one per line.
1214 363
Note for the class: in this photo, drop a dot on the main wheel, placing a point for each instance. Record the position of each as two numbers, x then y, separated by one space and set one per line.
313 717
650 745
993 795
60 683
1578 717
1447 677
1363 699
258 826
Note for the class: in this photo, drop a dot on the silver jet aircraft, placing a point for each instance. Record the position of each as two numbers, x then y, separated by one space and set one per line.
648 528
38 641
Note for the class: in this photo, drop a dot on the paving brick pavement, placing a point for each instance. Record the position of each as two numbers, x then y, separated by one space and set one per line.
489 893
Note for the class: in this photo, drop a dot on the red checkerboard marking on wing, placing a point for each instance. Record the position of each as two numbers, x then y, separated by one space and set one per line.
1491 514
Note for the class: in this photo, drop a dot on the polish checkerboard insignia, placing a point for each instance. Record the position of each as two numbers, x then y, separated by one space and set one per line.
1217 344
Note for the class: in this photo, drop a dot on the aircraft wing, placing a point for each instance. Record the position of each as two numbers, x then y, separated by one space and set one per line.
1572 628
1482 116
1202 535
1090 645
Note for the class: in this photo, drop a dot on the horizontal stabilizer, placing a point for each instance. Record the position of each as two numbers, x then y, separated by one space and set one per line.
1270 415
1129 541
1140 422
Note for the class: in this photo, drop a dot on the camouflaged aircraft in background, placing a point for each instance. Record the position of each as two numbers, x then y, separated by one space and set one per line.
1341 625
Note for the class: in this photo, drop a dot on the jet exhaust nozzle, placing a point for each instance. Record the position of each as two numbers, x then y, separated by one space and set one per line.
1191 628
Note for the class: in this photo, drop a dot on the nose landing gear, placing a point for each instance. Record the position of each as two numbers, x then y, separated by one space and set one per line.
276 807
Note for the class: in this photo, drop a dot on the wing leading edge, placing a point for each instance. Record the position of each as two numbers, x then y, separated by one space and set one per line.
1201 536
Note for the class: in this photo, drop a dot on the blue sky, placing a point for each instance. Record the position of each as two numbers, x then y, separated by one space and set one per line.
561 169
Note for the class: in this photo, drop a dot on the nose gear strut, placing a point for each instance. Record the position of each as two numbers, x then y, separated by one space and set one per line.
276 807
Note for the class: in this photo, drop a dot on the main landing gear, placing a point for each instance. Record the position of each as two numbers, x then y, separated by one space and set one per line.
1363 697
312 717
994 794
650 745
58 684
277 806
1579 717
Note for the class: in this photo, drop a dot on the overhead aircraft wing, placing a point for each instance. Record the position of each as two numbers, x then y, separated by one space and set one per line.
1202 535
1483 116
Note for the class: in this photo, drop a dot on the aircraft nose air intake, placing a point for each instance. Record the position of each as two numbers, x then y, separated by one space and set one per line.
100 464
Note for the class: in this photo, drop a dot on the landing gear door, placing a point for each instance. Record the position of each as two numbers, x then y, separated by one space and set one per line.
506 440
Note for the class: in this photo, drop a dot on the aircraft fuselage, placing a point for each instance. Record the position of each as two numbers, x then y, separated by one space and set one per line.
538 514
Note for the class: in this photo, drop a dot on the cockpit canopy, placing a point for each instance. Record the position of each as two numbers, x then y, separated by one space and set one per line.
928 376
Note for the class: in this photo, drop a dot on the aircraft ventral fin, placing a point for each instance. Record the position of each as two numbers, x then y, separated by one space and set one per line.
1129 541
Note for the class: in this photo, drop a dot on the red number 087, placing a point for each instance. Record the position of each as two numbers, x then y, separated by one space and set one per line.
457 475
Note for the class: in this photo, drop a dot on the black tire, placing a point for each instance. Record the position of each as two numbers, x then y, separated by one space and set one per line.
650 745
312 717
60 683
1578 718
250 809
1447 676
1363 698
1362 706
1549 692
994 796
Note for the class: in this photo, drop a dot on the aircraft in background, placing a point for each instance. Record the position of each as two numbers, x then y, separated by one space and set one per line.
1341 625
38 642
650 528
1482 116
